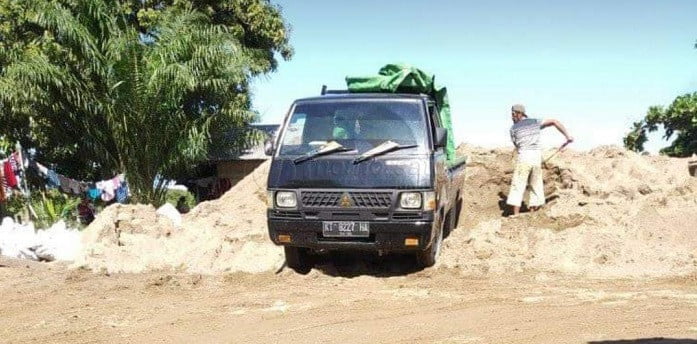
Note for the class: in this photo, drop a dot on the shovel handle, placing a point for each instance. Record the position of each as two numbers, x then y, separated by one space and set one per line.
561 148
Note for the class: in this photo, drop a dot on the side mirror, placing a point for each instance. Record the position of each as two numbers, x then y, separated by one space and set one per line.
440 138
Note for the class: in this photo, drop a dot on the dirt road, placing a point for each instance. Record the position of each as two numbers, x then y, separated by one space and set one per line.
498 280
375 303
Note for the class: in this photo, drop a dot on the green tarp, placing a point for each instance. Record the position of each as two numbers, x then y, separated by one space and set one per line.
397 78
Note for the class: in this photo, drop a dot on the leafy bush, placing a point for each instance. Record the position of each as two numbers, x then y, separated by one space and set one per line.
50 206
53 206
16 206
173 195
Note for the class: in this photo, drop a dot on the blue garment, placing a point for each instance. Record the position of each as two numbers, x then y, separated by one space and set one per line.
53 180
122 193
93 193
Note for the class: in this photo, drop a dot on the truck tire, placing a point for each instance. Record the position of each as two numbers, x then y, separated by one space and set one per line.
450 222
298 259
428 257
458 211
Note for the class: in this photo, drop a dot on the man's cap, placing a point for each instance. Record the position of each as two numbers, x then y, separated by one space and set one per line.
518 108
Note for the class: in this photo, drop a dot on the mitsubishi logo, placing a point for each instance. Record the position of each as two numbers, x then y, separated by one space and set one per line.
345 201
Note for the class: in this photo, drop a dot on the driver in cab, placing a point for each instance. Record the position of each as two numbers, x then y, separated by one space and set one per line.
344 128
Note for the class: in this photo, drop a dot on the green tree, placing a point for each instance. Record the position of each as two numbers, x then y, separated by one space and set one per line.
679 119
101 87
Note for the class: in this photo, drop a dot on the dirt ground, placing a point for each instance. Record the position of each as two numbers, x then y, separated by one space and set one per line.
379 303
611 258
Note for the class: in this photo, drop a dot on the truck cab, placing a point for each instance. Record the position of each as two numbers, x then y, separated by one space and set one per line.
362 171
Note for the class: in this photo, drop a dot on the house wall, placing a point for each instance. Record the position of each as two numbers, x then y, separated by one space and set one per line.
237 169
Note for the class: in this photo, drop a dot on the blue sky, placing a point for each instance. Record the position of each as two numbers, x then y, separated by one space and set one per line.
594 65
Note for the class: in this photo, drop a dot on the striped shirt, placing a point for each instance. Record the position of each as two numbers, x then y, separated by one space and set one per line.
526 137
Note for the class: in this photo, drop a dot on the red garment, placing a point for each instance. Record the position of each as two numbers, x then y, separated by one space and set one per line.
10 175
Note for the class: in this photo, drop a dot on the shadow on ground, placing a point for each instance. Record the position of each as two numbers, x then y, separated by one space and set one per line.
506 209
354 264
657 340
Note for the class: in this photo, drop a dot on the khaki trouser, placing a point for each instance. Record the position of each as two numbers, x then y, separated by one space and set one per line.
524 173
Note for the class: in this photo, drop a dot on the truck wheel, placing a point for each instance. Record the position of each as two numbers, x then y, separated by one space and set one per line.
298 259
449 222
458 210
428 257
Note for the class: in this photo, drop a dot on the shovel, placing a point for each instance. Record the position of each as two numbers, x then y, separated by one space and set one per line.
544 163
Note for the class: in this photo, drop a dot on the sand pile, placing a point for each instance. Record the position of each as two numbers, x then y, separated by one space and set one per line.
228 234
611 213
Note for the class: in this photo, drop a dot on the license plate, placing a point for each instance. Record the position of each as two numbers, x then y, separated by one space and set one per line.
345 229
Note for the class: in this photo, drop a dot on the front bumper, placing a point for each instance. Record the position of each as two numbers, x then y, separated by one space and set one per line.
386 236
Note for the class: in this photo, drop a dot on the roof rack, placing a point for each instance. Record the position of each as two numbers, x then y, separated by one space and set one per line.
326 91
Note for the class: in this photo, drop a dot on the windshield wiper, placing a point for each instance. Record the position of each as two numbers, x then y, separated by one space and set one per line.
383 148
329 148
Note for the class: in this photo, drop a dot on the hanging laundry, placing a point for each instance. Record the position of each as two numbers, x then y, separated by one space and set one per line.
17 156
64 183
116 181
108 190
43 170
76 187
53 180
105 189
93 193
122 193
10 176
13 162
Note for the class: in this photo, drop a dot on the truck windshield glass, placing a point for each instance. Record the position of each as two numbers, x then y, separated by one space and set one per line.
356 124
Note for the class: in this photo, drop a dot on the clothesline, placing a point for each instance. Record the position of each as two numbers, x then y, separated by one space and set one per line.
13 179
106 190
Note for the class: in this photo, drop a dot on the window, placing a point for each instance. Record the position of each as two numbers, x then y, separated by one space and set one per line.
357 124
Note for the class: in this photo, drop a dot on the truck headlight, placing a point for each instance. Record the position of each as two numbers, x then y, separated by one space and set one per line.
410 200
286 199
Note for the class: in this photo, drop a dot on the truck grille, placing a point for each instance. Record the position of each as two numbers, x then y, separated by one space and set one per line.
329 199
287 214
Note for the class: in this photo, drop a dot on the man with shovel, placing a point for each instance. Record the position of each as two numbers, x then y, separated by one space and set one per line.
525 134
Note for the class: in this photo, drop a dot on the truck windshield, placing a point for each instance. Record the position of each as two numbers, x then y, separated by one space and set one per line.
356 124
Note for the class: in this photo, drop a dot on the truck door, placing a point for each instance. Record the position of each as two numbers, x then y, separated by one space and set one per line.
442 177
